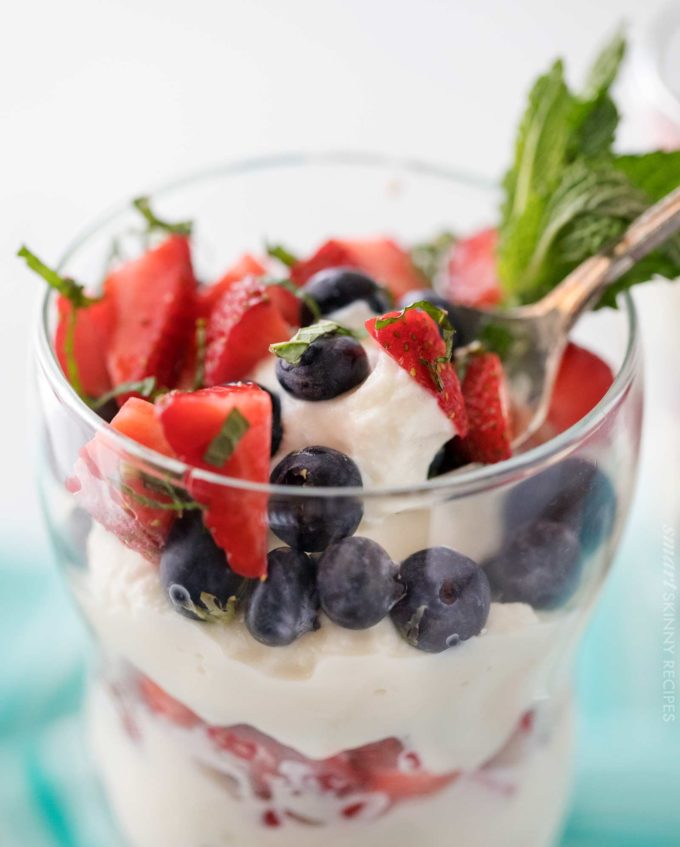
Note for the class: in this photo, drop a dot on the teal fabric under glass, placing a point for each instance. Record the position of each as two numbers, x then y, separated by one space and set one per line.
627 791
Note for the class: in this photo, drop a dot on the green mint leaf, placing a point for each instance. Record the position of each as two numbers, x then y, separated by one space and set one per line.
278 251
153 503
605 68
201 347
66 286
439 316
429 256
144 387
143 206
226 441
289 285
657 174
292 351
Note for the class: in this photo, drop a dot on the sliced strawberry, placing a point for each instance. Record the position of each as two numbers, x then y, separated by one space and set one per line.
387 767
582 381
153 299
161 703
108 483
208 296
488 438
94 326
236 518
241 327
471 277
381 258
414 342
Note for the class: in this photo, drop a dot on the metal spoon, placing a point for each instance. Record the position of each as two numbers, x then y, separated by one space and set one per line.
534 336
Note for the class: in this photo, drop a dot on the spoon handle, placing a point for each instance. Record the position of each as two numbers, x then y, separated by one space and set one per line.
585 284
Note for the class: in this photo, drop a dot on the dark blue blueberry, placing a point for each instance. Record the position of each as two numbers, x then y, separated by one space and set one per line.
574 492
358 583
541 565
330 366
193 565
312 523
448 458
431 296
447 599
285 605
334 288
108 411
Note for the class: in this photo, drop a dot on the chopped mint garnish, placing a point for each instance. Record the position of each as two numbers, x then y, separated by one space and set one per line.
293 350
201 346
429 257
175 505
289 285
278 251
225 442
568 195
143 206
439 316
75 294
144 387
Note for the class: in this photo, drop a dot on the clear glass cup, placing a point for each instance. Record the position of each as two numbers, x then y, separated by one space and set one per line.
205 738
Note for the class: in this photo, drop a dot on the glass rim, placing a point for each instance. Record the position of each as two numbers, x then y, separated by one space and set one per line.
461 483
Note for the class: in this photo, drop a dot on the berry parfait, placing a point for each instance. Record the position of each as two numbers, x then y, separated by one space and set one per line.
330 603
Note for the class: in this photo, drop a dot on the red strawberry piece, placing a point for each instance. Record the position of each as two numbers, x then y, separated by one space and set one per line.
414 342
471 277
161 703
208 295
488 438
153 299
108 484
94 326
582 381
242 325
381 258
236 518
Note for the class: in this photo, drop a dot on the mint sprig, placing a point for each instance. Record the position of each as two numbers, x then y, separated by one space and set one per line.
153 222
282 254
222 447
293 350
567 194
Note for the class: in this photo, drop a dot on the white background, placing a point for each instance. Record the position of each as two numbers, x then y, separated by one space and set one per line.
101 99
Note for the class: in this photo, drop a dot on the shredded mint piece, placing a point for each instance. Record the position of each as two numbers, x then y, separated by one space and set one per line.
66 286
143 206
293 350
144 387
225 442
175 505
289 285
429 256
278 251
201 346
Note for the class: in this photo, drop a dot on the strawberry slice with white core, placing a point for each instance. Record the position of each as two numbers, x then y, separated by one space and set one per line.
243 324
109 483
93 328
226 430
486 401
381 258
153 301
471 277
411 337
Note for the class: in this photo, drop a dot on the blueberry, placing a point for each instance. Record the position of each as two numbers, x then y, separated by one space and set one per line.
574 492
448 458
330 366
108 411
193 565
541 566
431 296
334 288
285 605
312 523
447 599
358 583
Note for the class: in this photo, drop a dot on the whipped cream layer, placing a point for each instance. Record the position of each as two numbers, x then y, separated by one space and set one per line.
162 792
334 689
389 425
